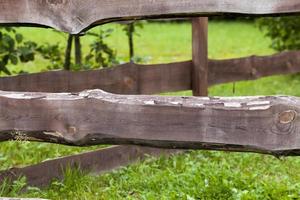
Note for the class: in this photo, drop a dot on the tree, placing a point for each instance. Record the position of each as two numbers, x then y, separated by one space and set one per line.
130 29
14 49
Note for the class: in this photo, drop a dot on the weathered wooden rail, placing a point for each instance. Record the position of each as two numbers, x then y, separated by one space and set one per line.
74 16
132 78
36 110
258 124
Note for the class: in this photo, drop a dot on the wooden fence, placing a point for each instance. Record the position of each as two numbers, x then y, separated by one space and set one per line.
52 106
75 16
132 78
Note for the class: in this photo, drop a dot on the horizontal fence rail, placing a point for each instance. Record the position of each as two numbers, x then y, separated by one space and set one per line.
256 124
100 161
253 67
149 79
124 79
74 16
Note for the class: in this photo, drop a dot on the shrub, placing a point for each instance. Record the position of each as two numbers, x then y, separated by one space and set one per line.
284 31
14 49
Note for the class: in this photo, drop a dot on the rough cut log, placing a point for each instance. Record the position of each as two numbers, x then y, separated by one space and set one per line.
149 79
99 161
200 57
257 124
73 16
121 79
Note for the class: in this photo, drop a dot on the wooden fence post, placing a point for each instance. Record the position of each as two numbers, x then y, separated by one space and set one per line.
200 59
78 54
67 64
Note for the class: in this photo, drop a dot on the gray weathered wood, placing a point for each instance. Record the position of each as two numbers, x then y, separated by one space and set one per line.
200 58
259 124
74 16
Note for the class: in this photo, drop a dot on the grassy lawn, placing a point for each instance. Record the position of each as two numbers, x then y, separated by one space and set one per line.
195 175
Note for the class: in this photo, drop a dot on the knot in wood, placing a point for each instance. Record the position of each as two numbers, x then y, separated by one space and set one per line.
72 130
253 72
287 117
128 82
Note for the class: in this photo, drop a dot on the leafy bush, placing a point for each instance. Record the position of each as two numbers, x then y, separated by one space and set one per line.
284 31
53 53
100 54
14 49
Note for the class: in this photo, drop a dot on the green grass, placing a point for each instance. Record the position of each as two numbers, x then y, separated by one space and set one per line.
194 175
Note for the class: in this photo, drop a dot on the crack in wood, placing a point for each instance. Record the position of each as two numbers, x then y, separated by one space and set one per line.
262 124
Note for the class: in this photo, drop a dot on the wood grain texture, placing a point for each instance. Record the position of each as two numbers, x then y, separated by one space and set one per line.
259 124
200 57
253 67
150 79
125 79
74 16
100 161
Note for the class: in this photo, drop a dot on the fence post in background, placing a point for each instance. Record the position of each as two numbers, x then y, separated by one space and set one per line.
78 53
67 64
200 58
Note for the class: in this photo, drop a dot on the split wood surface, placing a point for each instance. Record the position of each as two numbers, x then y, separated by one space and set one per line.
258 124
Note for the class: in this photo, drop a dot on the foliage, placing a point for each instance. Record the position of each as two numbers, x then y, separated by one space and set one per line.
189 176
131 29
284 31
53 53
14 49
100 54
